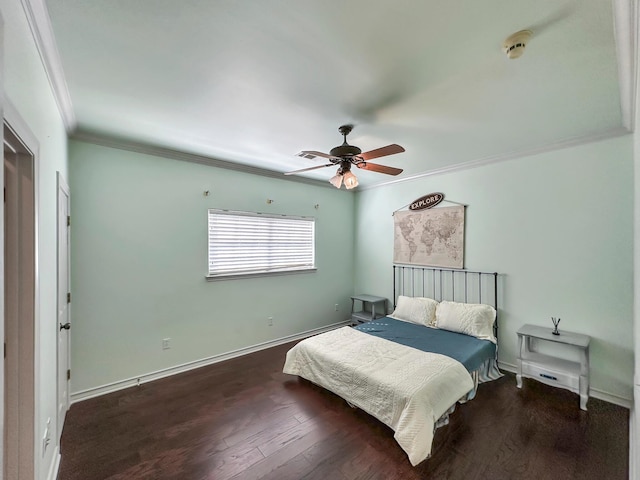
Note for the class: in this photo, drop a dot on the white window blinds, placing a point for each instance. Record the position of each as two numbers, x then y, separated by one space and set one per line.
242 243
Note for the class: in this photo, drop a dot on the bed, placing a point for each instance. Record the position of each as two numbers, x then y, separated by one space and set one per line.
411 368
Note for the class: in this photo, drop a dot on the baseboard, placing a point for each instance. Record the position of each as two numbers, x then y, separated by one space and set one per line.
611 398
55 465
149 377
593 392
185 367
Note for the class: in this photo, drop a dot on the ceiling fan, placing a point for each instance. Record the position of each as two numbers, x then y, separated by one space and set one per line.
346 155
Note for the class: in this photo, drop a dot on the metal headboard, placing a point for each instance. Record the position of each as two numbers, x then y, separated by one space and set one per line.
446 284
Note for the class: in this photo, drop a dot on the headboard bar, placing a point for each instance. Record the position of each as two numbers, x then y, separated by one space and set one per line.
446 284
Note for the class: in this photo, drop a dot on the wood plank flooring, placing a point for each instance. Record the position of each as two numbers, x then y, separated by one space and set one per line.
245 419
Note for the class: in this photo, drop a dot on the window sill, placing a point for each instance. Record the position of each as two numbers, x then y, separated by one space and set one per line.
240 276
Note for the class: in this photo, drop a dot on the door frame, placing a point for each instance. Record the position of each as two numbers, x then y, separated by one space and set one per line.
21 137
2 379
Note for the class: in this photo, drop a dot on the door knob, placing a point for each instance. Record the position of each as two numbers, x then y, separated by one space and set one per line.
66 326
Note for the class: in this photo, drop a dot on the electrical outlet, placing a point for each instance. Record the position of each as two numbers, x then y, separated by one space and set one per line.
166 343
337 307
270 321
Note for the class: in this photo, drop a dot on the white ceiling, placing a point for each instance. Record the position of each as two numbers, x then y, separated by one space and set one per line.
256 81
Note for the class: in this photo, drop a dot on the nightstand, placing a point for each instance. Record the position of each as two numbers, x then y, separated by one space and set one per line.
552 370
372 307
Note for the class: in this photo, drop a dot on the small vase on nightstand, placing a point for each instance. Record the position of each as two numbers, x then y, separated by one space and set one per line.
555 322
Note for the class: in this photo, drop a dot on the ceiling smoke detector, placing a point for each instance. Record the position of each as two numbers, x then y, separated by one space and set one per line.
514 45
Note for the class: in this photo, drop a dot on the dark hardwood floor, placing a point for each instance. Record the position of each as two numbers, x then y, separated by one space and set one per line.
245 419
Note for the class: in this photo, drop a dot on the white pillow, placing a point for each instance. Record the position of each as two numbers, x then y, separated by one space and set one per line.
473 319
418 310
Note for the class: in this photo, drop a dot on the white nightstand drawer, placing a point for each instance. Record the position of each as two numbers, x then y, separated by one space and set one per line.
551 377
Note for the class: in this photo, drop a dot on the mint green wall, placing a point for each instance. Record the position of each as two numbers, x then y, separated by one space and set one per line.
558 227
139 242
27 88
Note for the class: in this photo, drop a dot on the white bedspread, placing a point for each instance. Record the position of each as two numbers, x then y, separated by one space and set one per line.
405 388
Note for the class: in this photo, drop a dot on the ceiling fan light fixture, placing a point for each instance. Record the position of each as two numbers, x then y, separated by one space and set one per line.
350 180
336 181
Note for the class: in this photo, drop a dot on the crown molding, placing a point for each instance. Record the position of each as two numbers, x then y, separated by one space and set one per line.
148 149
625 29
42 31
569 143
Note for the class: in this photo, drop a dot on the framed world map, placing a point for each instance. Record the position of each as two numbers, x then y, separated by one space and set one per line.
433 237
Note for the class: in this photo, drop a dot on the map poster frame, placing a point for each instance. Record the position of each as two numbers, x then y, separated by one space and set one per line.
432 237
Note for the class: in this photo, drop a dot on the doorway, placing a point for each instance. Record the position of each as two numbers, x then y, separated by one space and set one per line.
20 301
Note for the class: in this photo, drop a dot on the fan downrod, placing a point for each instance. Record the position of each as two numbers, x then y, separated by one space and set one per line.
345 150
345 130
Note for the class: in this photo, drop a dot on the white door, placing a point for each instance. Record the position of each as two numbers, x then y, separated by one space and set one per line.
64 302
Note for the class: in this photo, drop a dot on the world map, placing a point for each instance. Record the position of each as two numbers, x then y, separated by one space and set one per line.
433 237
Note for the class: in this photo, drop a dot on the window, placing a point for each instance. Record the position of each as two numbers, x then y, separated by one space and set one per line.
242 243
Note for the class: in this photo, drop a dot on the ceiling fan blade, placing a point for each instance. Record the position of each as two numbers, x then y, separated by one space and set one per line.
550 20
381 152
374 167
310 168
312 154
